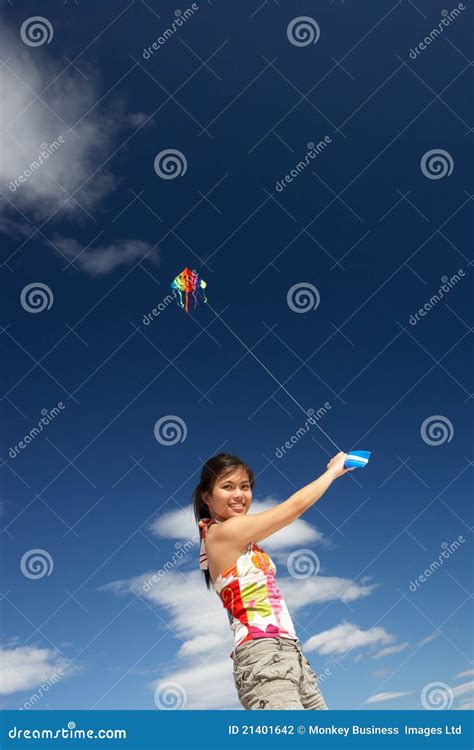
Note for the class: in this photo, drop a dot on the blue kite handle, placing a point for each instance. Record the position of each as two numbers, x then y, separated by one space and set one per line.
357 459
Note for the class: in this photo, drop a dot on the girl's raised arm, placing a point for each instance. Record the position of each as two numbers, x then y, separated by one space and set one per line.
255 527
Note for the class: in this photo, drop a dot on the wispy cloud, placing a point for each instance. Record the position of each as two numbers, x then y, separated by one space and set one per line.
391 650
379 697
216 675
466 673
26 667
56 137
36 111
346 637
466 687
196 618
180 524
99 261
429 638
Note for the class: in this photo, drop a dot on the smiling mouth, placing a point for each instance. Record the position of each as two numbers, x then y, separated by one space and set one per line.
238 506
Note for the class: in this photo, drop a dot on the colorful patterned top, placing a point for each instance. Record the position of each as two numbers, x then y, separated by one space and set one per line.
249 592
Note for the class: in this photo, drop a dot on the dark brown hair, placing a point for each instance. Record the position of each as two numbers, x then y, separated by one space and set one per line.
213 468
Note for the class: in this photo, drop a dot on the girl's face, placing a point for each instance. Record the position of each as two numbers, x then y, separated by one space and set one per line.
231 495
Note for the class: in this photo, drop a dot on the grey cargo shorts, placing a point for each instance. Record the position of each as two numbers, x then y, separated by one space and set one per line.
273 673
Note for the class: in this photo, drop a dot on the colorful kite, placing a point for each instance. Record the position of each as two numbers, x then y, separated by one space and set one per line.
188 282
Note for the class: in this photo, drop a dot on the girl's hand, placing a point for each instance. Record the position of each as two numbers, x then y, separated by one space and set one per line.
336 465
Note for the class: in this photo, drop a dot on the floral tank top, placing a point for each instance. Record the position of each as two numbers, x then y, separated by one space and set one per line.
249 592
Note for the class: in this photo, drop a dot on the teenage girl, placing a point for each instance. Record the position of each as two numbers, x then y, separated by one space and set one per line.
269 668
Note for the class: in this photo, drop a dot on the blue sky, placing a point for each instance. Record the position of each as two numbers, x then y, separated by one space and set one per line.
371 227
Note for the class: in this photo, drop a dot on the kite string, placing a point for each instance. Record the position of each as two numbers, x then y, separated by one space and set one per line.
273 376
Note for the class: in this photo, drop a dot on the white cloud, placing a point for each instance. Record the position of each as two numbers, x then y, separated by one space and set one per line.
205 686
429 638
466 673
346 637
317 589
466 687
391 650
197 619
202 644
102 260
56 139
175 524
180 524
189 608
30 122
26 667
385 697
